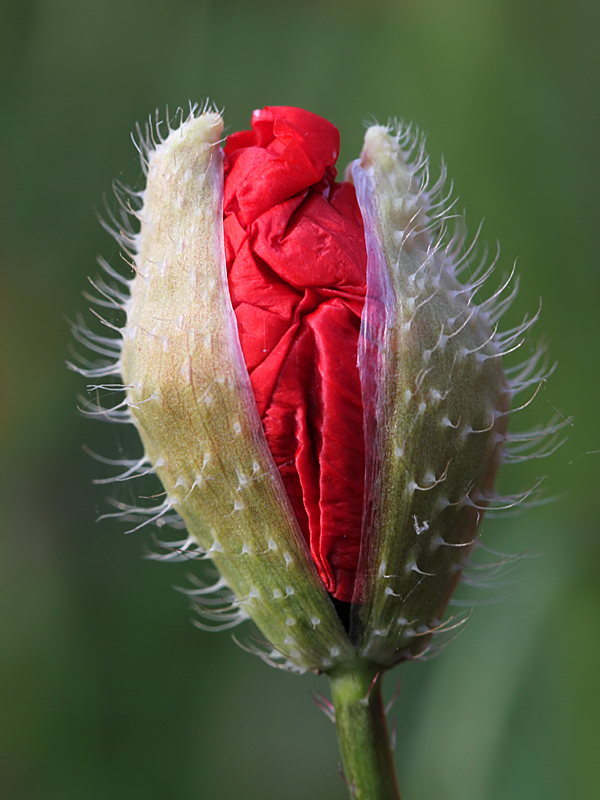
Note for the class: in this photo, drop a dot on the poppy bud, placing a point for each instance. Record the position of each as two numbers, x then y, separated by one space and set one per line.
322 399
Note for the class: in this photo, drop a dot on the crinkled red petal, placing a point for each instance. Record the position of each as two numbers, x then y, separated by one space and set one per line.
296 261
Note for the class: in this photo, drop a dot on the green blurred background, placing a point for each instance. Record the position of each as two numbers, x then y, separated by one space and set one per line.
106 688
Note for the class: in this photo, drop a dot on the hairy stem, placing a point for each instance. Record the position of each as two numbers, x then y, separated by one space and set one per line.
362 732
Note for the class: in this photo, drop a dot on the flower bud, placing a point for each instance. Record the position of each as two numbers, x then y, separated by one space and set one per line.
321 398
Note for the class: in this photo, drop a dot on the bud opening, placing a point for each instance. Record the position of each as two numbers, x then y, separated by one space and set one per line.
321 397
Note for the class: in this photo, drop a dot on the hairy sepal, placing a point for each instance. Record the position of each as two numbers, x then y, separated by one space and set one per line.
436 402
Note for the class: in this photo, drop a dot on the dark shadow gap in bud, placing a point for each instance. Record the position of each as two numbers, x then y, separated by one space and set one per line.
343 610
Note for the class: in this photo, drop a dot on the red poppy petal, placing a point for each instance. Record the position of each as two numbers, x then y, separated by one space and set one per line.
237 140
296 258
318 247
317 136
342 449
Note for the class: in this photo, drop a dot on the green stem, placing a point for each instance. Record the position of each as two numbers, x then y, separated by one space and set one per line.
362 732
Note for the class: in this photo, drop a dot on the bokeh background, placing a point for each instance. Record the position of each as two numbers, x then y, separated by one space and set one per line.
106 688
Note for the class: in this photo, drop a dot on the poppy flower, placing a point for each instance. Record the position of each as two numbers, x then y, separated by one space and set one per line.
319 392
321 397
